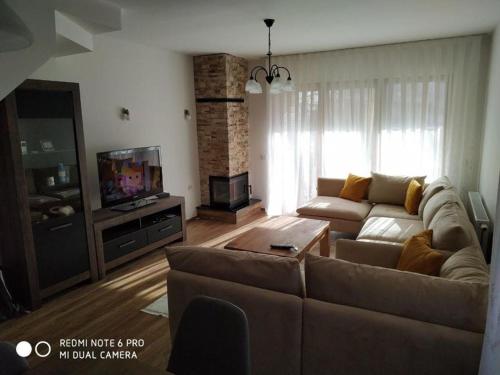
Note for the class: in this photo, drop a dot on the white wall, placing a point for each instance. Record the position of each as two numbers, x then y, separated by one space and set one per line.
490 163
15 66
156 86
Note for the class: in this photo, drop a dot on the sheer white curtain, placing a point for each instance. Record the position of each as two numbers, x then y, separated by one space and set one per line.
412 108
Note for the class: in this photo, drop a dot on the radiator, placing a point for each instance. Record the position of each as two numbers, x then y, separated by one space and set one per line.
480 220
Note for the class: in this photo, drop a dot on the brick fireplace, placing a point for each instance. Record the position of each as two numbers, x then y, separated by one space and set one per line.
222 126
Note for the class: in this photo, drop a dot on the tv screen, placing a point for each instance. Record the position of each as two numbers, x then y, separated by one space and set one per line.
126 175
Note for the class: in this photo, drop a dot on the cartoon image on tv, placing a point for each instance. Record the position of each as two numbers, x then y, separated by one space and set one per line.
123 175
156 178
130 179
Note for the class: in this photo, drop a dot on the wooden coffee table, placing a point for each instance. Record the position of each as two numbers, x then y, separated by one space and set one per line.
303 233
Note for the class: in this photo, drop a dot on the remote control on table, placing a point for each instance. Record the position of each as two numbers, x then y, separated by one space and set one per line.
284 246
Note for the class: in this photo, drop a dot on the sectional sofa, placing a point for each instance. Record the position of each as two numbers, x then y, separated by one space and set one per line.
355 314
387 226
342 317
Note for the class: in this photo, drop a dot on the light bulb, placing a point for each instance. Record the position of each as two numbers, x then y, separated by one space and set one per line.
276 86
253 87
289 85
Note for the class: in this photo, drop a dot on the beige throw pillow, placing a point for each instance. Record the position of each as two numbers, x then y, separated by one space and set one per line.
451 228
434 187
437 201
466 265
390 189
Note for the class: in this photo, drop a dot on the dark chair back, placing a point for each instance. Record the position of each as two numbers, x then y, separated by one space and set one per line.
10 362
212 338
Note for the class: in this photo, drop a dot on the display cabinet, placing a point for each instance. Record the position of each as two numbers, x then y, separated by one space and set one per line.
47 237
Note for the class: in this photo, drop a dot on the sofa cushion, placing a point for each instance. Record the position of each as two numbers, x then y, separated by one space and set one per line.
417 256
466 265
452 229
390 189
387 229
437 201
330 187
391 210
335 207
355 188
421 297
434 187
413 197
280 274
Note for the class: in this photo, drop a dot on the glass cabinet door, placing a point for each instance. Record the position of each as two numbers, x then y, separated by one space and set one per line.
49 154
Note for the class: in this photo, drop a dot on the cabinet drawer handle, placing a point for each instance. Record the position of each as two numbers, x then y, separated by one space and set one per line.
59 227
164 229
127 243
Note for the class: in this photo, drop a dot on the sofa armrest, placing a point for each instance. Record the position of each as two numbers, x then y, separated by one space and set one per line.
330 187
373 253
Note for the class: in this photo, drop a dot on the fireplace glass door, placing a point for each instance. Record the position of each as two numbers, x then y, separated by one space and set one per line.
229 192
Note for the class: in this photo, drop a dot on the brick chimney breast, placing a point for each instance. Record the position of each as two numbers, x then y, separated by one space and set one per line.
221 117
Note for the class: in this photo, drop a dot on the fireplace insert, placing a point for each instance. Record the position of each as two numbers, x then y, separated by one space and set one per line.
229 193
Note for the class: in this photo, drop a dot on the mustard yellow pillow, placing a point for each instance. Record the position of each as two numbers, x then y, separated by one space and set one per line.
425 236
355 188
413 197
417 256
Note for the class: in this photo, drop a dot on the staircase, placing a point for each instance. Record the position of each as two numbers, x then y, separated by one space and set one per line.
60 28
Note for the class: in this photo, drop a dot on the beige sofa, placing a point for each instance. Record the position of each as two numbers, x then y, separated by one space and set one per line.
344 215
441 210
349 318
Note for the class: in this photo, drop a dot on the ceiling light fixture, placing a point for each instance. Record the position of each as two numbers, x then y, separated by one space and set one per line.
272 72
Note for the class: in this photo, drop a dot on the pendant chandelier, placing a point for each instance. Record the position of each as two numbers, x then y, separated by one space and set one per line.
273 76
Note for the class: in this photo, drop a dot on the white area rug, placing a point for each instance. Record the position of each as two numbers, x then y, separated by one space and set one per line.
158 307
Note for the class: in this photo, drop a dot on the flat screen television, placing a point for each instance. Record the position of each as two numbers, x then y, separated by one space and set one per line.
130 174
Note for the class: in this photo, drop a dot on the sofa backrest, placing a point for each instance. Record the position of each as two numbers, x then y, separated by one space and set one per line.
441 183
390 189
456 304
451 228
438 200
341 339
467 264
274 319
267 288
330 187
280 274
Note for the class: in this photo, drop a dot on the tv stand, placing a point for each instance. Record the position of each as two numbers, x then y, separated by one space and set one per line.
121 236
129 206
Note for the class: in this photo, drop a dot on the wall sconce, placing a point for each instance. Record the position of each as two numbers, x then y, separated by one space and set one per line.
187 114
125 114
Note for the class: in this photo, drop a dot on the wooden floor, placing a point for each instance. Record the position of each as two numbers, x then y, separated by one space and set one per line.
111 308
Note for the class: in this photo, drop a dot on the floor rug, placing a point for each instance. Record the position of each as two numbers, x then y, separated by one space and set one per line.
158 307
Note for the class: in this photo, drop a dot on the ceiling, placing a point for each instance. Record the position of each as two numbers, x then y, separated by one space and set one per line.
236 27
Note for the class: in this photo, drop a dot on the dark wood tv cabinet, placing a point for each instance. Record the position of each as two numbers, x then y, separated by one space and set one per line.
123 236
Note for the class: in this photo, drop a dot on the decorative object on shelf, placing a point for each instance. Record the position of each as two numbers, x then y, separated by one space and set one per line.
24 147
47 145
61 173
272 72
51 181
125 114
62 210
14 34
